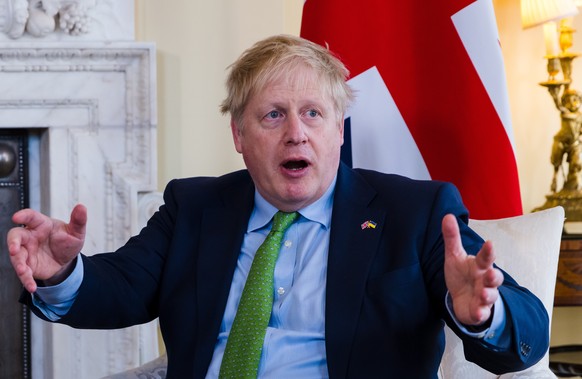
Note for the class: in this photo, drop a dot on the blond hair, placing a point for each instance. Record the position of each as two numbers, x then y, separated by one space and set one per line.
272 58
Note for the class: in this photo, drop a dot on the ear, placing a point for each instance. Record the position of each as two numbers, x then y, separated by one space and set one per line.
236 135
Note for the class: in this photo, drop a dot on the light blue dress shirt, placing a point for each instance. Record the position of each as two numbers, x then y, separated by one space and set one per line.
295 340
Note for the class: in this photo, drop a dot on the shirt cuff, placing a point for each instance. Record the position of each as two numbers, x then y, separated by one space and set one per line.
55 301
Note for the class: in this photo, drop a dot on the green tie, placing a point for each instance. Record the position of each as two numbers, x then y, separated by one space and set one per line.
245 341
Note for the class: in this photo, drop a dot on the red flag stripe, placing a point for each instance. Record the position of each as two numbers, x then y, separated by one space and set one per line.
418 52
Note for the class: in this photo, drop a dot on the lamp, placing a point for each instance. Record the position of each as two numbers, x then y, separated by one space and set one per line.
537 12
547 12
566 154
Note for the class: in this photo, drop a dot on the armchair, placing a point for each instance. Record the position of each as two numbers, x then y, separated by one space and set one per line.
155 369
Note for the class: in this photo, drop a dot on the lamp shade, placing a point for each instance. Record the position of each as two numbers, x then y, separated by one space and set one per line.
536 12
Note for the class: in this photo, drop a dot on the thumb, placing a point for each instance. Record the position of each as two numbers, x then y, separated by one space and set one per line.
452 236
78 221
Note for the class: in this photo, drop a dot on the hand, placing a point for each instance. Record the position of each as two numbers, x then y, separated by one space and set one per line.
472 281
44 248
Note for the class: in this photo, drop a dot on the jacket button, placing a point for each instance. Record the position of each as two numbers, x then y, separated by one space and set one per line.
524 349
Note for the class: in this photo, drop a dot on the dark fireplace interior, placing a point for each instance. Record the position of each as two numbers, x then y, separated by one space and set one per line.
14 317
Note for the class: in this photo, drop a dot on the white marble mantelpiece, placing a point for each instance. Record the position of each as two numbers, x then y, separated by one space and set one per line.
92 106
105 20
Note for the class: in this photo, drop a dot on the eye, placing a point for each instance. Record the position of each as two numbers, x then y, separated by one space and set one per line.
312 113
273 114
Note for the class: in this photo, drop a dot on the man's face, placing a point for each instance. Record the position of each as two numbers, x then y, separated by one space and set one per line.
290 140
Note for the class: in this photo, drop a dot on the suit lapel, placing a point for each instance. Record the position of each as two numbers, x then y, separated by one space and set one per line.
223 227
350 255
352 248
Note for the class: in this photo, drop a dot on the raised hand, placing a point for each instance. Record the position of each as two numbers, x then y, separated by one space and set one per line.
44 248
472 281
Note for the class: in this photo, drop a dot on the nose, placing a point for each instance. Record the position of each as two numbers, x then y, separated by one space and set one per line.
295 131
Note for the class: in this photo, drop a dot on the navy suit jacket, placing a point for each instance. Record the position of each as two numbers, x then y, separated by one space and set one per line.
385 300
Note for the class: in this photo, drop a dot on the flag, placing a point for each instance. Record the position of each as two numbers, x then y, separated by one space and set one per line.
431 93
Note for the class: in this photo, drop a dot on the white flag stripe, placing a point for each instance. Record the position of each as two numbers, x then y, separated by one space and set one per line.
485 53
381 139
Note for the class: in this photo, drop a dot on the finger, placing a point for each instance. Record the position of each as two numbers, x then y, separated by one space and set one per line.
486 256
487 296
481 314
493 278
27 279
14 239
452 236
28 217
18 259
78 221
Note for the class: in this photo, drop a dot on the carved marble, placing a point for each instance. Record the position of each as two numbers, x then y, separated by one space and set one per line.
92 109
58 20
13 17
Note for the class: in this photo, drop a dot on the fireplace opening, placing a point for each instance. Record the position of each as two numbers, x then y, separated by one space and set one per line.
14 195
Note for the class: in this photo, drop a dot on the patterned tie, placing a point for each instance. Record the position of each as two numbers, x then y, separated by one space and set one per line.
245 341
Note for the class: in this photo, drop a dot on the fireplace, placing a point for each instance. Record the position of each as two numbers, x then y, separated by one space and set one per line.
89 111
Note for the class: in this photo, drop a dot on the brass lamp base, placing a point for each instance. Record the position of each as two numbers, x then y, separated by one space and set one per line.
570 200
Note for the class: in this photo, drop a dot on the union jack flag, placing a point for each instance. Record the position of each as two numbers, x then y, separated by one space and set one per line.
369 225
432 99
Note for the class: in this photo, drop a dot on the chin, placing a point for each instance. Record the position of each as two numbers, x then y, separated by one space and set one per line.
299 200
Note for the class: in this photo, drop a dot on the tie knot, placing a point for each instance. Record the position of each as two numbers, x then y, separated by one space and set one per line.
283 220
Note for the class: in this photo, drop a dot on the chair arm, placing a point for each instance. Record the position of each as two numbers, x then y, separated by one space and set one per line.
536 372
155 369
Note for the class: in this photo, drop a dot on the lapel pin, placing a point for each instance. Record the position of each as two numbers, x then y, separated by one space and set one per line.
369 225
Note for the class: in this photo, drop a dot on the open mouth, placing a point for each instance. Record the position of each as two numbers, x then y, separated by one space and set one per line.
295 165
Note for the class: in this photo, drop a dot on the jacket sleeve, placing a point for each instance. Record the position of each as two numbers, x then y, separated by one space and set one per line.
526 317
120 288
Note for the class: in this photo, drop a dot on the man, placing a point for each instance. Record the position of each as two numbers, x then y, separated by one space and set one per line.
366 274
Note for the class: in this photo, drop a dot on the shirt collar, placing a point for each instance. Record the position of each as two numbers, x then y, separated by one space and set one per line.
319 211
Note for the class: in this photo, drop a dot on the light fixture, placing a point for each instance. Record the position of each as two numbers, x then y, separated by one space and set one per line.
537 12
547 12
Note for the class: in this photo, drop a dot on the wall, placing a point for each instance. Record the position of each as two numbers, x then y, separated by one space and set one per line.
197 40
535 121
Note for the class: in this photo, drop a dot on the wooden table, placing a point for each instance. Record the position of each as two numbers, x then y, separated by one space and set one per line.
569 281
566 360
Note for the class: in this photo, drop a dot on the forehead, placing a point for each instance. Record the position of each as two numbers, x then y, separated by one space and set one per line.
297 80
